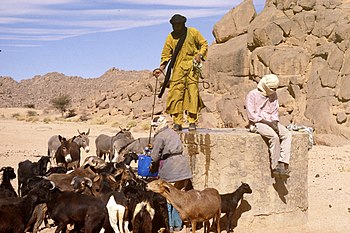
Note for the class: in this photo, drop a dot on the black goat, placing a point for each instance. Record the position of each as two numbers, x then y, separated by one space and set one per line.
82 185
148 211
129 157
115 202
6 189
16 212
40 211
84 211
229 202
28 169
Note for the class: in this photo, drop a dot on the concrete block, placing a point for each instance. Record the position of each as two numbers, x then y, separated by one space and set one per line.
223 158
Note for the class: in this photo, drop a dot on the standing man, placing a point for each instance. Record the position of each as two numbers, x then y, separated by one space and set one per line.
174 167
183 47
262 110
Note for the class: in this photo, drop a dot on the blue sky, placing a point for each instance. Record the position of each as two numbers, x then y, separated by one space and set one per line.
87 37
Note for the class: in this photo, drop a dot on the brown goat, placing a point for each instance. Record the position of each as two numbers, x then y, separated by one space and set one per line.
193 205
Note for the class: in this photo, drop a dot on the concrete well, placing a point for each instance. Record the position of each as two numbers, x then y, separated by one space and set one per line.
223 158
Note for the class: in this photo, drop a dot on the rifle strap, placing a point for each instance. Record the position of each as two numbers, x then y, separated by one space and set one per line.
172 62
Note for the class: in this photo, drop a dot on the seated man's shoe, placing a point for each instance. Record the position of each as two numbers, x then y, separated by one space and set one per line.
280 171
177 127
192 126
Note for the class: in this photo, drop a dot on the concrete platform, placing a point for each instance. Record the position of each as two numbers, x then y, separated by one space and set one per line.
223 158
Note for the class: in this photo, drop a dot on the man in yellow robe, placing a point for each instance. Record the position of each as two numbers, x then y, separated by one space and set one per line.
183 96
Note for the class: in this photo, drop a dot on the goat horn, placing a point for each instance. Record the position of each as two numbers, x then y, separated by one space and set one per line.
90 161
53 185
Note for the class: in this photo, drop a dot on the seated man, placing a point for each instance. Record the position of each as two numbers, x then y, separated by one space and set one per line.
262 110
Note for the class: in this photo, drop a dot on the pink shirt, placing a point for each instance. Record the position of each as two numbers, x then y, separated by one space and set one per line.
261 107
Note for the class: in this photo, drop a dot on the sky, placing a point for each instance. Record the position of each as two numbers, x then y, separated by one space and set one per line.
88 37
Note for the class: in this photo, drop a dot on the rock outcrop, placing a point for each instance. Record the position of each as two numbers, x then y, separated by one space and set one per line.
306 43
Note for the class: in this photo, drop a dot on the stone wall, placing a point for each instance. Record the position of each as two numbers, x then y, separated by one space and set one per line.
223 158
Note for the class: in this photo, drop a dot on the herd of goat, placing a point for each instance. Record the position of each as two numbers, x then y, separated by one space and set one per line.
102 194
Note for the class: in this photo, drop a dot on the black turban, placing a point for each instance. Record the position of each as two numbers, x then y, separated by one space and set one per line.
178 19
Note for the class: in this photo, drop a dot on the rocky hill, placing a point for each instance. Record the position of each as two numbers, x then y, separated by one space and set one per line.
305 42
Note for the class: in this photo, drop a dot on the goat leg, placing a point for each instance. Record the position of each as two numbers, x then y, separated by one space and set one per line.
194 226
217 220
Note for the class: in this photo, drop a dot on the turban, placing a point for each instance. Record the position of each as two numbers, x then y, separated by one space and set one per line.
267 83
159 122
178 19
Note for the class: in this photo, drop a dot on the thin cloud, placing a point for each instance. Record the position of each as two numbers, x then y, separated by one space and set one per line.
42 20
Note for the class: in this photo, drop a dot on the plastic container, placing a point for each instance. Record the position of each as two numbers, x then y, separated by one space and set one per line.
143 164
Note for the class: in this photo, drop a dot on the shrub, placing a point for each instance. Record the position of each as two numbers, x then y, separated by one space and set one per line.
31 113
32 119
61 103
47 120
99 121
29 105
115 124
131 124
71 113
84 117
146 126
15 115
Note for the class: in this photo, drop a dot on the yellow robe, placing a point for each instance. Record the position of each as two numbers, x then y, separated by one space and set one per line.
183 90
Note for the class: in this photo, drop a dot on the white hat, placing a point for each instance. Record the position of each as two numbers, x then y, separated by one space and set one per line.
158 120
268 83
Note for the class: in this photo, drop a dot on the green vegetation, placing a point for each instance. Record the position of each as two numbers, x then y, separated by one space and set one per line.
31 113
61 103
131 124
29 105
16 115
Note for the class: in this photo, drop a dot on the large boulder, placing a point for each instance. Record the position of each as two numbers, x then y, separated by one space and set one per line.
235 22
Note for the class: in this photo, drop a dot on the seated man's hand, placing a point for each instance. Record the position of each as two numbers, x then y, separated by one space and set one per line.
274 126
153 168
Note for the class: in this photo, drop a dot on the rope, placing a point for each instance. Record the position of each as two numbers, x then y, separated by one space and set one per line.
197 67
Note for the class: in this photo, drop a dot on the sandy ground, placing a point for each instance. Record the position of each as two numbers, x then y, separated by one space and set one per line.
329 169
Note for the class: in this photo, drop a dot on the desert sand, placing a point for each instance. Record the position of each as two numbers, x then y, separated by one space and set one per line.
328 171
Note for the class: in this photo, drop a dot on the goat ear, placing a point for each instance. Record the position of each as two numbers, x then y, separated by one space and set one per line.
96 178
111 178
166 186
